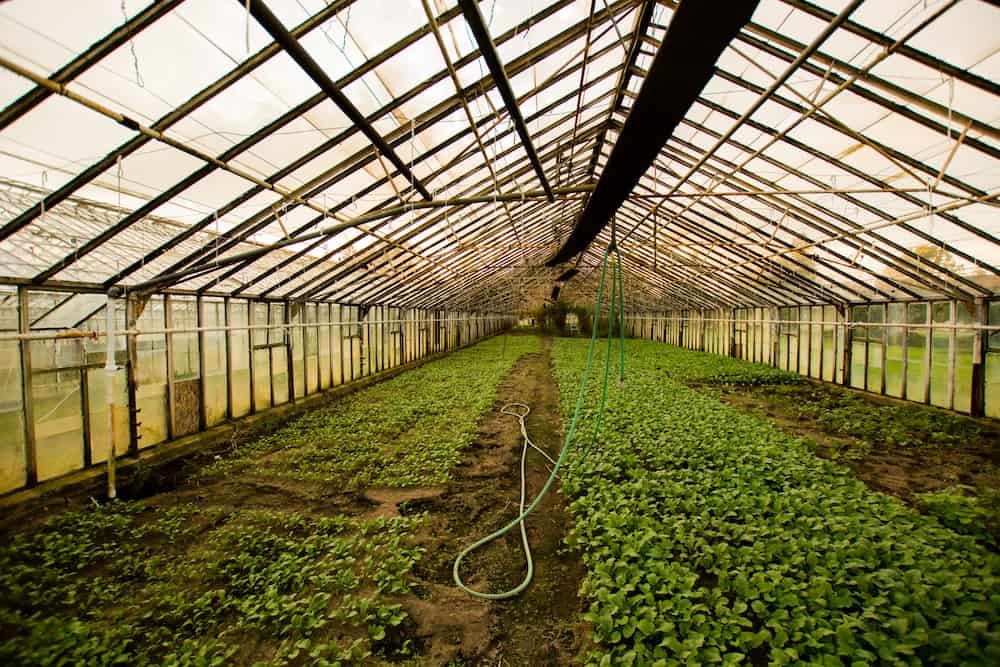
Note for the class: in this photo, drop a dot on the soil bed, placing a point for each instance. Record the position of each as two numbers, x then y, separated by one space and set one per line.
542 626
192 520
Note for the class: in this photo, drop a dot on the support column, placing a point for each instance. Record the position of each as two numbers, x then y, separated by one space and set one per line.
168 322
131 384
979 348
199 320
30 451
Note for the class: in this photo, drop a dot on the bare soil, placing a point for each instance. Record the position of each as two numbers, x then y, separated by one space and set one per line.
541 626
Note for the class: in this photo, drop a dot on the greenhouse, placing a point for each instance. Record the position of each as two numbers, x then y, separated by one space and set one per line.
500 332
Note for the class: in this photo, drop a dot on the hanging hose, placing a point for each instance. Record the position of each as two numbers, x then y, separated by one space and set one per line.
519 521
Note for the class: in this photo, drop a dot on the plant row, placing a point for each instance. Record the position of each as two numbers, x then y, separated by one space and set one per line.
712 537
406 431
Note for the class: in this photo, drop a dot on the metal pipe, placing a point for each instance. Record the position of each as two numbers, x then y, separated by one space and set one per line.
488 51
69 334
110 368
296 52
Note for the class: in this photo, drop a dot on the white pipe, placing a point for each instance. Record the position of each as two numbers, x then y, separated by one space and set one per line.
64 334
109 387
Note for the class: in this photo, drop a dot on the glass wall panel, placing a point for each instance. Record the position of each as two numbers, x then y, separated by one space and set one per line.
940 354
859 349
895 340
239 358
876 315
98 402
829 343
323 343
216 384
261 358
151 375
802 314
279 357
185 345
298 334
992 341
964 343
815 341
12 461
311 336
916 351
337 346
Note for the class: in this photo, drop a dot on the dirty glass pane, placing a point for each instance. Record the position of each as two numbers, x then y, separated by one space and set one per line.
279 358
151 375
876 315
829 343
816 341
12 463
993 363
261 359
311 335
894 350
336 346
323 344
239 359
964 342
859 350
916 349
216 384
56 403
185 345
940 352
298 350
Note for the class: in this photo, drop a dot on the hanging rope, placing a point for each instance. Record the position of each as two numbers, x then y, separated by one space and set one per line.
248 27
131 47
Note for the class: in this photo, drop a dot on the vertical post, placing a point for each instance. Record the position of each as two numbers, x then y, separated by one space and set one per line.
199 320
928 345
30 451
131 384
732 332
952 345
885 345
289 364
85 415
252 336
109 388
980 344
168 323
227 321
845 369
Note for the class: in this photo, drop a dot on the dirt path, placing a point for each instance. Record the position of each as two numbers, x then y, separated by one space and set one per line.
540 627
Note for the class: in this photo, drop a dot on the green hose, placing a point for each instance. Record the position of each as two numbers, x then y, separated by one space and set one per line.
519 521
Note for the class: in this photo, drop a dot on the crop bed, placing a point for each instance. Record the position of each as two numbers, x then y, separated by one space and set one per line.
711 536
267 557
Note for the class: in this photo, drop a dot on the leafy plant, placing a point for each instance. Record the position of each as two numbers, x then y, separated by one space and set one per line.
710 536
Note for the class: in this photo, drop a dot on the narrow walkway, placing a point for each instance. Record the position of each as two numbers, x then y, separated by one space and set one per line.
542 626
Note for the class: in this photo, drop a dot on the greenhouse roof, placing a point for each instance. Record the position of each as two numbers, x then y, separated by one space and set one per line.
432 154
